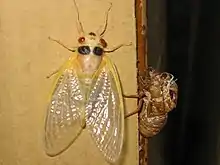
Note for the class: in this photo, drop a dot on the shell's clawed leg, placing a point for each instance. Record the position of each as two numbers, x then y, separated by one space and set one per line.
53 73
140 104
63 45
131 96
137 96
116 48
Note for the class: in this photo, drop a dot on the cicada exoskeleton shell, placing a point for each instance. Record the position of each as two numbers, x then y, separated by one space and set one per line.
159 97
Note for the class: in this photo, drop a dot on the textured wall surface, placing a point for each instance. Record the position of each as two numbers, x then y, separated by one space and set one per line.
27 57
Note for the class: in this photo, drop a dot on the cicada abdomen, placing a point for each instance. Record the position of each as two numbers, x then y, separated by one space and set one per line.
159 97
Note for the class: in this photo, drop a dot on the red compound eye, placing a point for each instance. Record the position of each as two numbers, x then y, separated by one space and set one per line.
103 43
81 40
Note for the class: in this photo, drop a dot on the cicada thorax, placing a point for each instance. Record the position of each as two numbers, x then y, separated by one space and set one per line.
90 51
89 55
159 97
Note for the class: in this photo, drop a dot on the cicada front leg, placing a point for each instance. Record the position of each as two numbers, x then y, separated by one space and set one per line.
53 73
63 45
66 47
116 48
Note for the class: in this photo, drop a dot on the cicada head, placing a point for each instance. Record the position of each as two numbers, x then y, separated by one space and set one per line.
91 44
90 51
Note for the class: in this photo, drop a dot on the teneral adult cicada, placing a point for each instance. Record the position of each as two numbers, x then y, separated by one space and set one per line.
158 97
86 95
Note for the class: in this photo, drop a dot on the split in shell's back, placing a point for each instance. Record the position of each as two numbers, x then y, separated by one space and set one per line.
86 96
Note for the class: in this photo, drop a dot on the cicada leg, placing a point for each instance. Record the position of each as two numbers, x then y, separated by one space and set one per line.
131 96
117 47
83 124
53 73
137 110
137 96
63 45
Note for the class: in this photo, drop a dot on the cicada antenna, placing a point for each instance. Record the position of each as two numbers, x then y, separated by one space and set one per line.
106 21
79 24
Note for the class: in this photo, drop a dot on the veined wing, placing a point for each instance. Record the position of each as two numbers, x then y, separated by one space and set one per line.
105 111
65 110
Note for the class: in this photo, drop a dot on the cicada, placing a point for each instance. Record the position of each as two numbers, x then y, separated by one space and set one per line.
158 97
87 96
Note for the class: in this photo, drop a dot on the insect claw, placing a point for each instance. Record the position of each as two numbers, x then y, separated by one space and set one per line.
137 110
131 114
50 75
130 96
83 124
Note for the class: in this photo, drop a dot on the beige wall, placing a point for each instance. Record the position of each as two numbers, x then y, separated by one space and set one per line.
27 56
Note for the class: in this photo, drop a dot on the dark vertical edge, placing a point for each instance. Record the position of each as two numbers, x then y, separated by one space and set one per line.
141 28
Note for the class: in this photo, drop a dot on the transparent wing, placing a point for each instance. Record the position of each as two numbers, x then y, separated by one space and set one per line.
105 112
63 122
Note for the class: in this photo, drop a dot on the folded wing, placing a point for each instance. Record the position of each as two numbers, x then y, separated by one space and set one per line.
63 122
105 112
